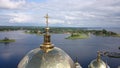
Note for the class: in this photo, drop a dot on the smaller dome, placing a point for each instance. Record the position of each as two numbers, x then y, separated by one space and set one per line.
98 63
77 65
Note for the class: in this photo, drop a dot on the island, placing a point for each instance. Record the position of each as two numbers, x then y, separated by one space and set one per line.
78 36
84 34
105 33
6 40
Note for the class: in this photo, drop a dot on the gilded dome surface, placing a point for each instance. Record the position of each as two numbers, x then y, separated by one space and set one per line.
56 58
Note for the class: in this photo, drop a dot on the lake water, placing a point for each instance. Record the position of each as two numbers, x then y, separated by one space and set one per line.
84 49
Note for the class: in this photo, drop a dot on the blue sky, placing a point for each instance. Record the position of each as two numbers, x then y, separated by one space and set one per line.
63 13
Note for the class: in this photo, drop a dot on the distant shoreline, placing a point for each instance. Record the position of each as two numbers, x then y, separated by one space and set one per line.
82 33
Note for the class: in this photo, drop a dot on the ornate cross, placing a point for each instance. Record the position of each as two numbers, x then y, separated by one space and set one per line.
47 19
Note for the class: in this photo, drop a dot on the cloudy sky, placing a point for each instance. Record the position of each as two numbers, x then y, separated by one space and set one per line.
63 13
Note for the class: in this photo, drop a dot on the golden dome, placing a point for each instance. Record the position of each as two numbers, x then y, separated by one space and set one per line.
98 63
56 58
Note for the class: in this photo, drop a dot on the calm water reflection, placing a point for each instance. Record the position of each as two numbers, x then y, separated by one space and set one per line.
84 49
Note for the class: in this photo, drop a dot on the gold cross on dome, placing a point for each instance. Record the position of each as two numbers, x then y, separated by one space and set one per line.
47 19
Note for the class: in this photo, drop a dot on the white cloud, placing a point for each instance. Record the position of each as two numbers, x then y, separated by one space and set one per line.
9 4
70 18
20 18
54 21
64 12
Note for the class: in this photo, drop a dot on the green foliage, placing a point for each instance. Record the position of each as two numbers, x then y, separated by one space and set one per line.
7 40
104 33
78 36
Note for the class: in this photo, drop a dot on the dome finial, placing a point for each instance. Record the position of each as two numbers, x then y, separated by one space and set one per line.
76 59
98 56
77 65
47 46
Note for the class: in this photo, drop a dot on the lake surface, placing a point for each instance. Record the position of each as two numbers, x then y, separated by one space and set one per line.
84 49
